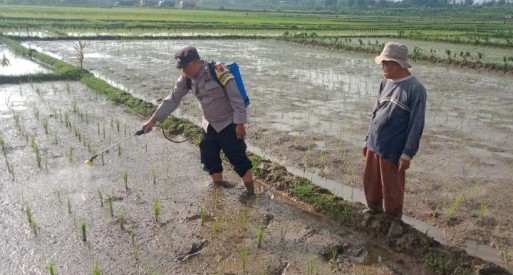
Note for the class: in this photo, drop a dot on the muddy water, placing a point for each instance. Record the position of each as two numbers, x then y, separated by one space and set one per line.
310 109
69 124
17 66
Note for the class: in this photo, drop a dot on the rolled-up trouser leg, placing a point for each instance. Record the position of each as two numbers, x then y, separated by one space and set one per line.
393 183
372 185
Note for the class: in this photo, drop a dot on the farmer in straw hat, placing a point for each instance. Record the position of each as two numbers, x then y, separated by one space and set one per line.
397 122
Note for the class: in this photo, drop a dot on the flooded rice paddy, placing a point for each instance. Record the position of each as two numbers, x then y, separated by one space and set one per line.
310 108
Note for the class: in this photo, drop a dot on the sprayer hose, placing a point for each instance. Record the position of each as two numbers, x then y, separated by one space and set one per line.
177 141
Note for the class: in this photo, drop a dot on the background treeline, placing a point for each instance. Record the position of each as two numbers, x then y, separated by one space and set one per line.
310 5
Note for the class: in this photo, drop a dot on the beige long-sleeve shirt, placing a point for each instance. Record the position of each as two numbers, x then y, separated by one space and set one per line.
220 106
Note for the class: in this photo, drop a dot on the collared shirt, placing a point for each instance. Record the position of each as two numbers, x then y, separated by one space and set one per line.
220 106
398 118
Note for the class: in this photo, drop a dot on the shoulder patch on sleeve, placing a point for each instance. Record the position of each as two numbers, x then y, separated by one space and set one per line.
222 73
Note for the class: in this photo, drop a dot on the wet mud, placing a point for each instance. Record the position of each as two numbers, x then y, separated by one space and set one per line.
199 229
310 111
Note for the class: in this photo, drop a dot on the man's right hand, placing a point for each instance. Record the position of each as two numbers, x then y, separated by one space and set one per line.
364 151
148 125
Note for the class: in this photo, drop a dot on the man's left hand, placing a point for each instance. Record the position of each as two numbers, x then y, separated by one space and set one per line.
404 164
240 131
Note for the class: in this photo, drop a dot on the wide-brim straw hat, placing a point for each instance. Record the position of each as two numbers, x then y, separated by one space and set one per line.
394 52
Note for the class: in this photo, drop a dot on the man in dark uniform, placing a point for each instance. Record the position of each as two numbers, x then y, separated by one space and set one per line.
224 115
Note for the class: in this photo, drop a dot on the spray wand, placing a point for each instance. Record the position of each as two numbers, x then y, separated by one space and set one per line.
90 161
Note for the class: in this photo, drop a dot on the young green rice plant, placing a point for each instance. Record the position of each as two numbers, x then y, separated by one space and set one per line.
260 235
101 198
215 227
156 209
244 257
475 185
58 194
154 176
51 268
122 219
38 156
83 230
111 207
482 210
10 168
119 149
203 216
455 205
45 125
74 104
31 221
334 255
117 125
133 233
96 268
2 145
67 121
125 179
311 267
69 206
70 154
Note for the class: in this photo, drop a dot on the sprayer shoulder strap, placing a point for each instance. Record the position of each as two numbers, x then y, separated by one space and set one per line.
218 72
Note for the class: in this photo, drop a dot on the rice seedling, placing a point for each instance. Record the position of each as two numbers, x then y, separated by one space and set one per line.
101 198
334 255
55 138
122 219
156 209
154 176
457 201
125 179
482 210
111 207
203 216
215 227
117 124
71 154
51 268
96 268
475 185
83 230
244 257
45 125
38 156
74 105
133 233
311 267
10 168
58 194
260 235
2 145
119 149
69 206
31 221
67 121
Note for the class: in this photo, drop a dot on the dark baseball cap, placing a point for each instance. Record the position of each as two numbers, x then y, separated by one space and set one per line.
185 55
